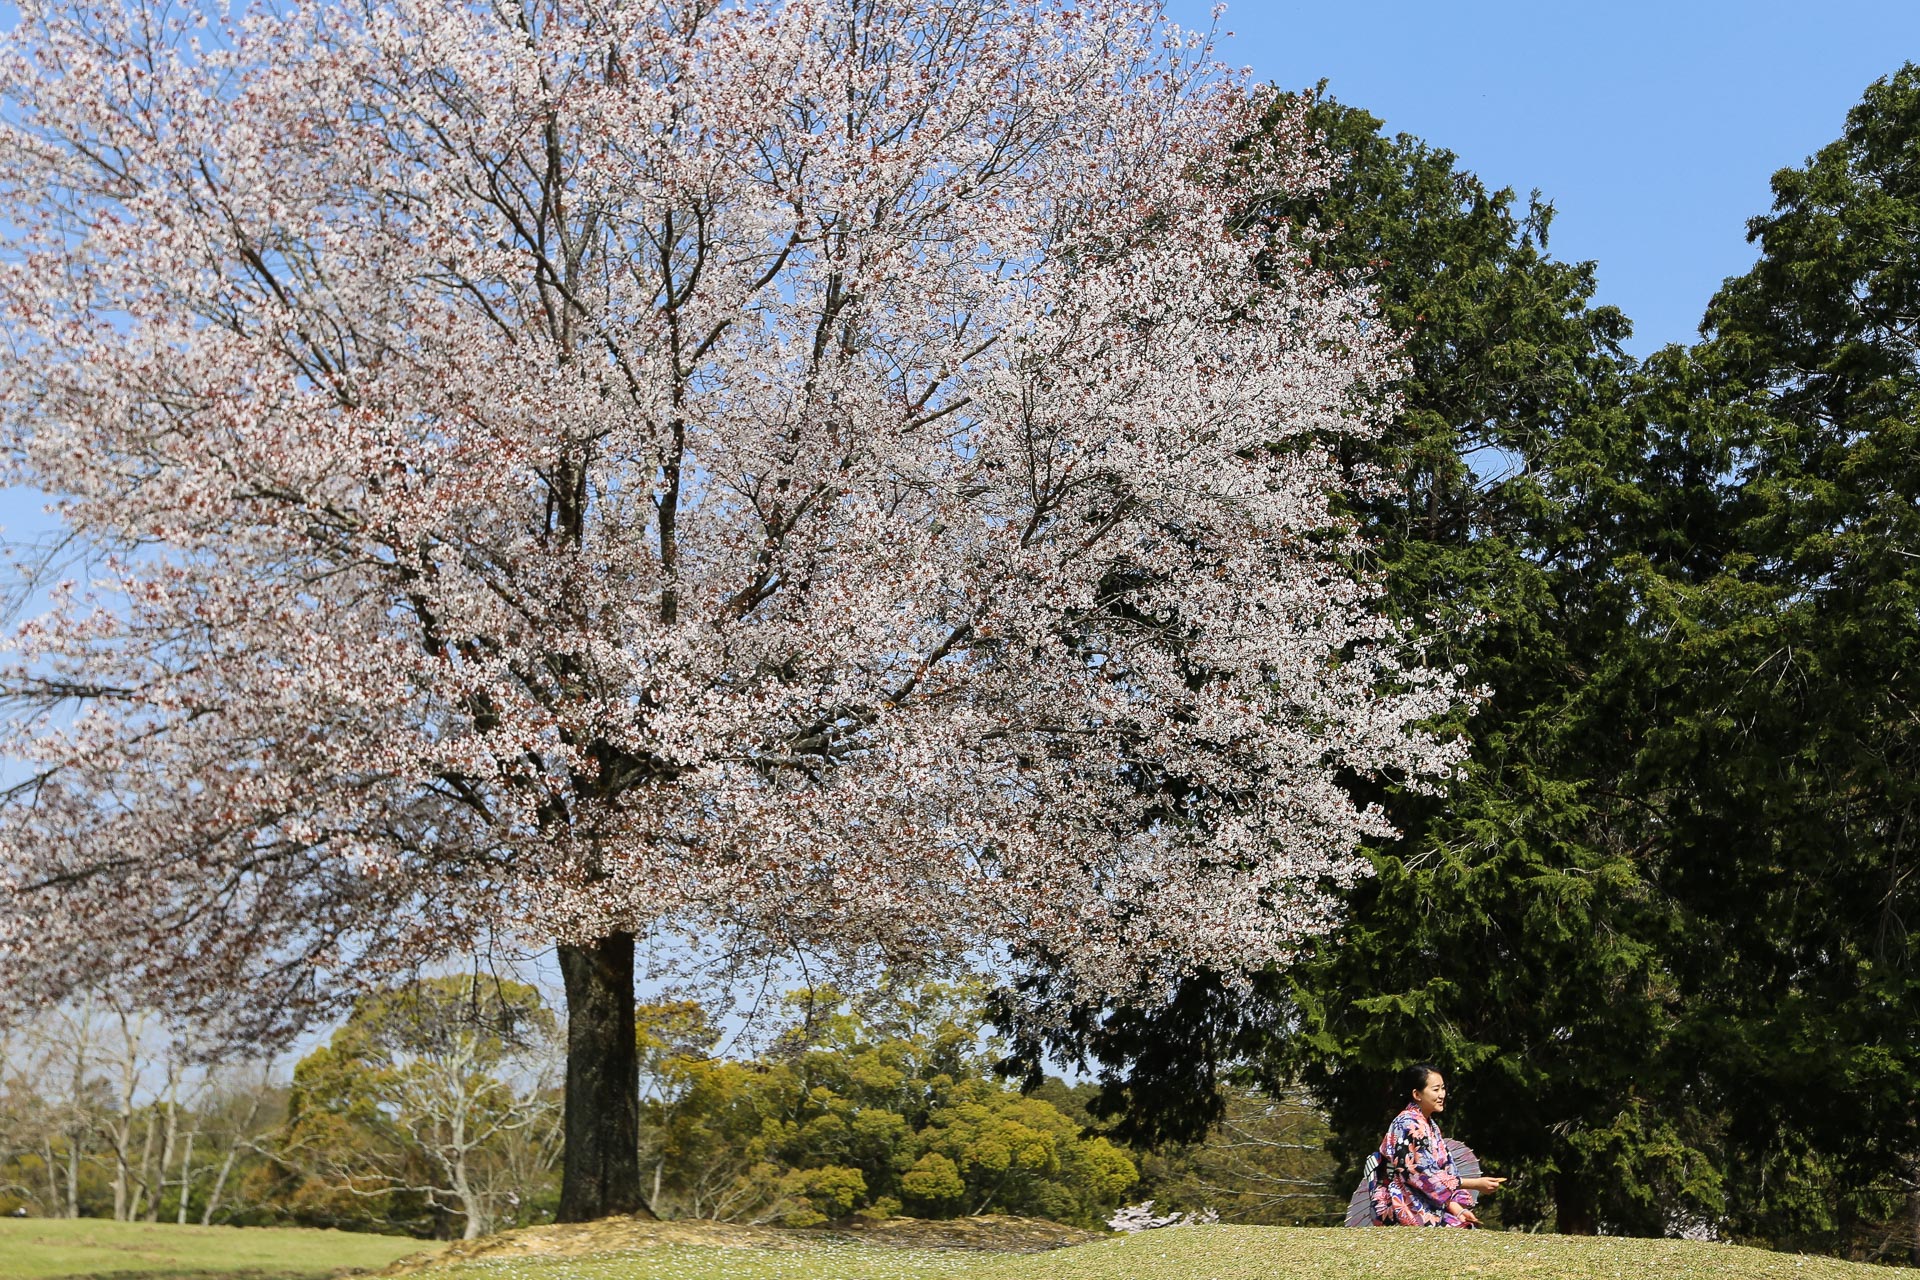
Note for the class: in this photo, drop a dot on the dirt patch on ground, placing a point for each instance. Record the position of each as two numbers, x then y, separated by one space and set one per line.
992 1233
609 1235
242 1274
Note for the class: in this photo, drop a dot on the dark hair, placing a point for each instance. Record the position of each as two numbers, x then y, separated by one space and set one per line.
1414 1078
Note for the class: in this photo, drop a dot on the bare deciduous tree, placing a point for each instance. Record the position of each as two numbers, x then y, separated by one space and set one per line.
450 1087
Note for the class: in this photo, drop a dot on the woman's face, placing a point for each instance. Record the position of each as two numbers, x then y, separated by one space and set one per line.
1432 1096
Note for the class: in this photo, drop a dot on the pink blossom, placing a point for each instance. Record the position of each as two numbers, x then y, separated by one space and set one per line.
808 473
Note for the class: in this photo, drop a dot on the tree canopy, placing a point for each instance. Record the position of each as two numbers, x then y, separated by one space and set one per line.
1786 761
827 482
589 472
1657 933
866 1106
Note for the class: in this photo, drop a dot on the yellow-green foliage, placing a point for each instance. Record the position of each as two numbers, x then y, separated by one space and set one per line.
32 1248
934 1180
823 1193
1023 1153
861 1110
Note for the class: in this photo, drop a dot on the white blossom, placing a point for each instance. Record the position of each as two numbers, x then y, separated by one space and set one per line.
1131 1219
812 473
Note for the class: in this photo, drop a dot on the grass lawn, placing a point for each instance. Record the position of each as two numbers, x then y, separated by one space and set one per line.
1199 1253
38 1248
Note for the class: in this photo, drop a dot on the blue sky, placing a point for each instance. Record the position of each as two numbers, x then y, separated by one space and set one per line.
1653 127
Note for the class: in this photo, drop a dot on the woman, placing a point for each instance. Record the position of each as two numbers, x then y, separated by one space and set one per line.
1413 1179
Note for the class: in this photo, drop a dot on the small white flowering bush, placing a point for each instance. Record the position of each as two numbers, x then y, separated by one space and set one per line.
1682 1225
1140 1217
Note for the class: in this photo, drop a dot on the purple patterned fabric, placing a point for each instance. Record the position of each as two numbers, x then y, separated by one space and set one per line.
1414 1182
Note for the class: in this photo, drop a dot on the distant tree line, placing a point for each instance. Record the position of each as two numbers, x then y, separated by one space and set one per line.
104 1112
434 1111
1660 934
888 1103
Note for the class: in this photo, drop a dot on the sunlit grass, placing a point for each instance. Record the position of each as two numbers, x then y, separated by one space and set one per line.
699 1262
38 1248
1202 1253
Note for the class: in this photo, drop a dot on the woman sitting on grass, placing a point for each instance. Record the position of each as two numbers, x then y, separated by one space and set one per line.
1414 1182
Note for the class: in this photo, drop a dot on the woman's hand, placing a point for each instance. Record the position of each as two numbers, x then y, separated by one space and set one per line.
1482 1185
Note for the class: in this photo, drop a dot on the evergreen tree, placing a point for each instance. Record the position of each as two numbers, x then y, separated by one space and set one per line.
1660 935
1788 774
1509 934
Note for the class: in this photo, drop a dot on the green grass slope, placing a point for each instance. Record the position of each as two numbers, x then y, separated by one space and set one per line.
1244 1253
1198 1253
41 1248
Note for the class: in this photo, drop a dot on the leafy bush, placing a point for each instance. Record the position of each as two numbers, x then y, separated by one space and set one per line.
863 1107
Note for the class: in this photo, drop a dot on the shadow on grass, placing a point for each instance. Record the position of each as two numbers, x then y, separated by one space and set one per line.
240 1273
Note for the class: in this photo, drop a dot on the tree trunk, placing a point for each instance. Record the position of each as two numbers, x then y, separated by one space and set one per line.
73 1175
1913 1217
122 1173
166 1158
600 1167
476 1221
76 1130
1572 1211
141 1186
219 1185
463 1189
186 1178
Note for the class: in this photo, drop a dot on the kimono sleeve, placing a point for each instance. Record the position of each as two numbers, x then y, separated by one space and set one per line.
1427 1169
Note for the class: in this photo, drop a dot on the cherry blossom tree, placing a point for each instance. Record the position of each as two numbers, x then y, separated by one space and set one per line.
813 475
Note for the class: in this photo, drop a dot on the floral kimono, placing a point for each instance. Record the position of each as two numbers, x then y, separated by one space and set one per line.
1413 1182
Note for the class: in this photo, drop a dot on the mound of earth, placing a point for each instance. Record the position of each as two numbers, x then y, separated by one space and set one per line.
990 1233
